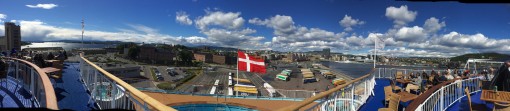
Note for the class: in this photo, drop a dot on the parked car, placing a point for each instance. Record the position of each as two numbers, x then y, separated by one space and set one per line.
160 78
156 71
172 73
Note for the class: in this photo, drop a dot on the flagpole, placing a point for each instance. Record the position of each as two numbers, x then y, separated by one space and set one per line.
237 75
82 31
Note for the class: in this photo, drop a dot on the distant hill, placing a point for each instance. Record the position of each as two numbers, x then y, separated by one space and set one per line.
493 56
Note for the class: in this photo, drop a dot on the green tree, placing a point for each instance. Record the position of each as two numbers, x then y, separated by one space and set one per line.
121 46
133 52
183 55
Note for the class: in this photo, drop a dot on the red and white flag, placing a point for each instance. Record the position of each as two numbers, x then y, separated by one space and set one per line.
249 63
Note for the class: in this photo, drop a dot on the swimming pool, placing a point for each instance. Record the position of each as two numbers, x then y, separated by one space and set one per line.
102 89
211 107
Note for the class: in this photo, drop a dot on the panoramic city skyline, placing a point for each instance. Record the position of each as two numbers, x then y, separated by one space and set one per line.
438 29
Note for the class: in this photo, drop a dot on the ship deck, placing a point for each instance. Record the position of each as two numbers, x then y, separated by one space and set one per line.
377 101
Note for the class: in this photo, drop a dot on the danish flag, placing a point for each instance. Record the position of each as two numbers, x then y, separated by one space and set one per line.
249 63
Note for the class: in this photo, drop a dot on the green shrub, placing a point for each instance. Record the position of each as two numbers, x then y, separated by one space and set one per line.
166 86
153 74
186 79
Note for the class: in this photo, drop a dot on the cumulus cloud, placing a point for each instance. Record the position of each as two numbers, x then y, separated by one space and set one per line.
289 37
43 6
2 17
231 38
143 28
348 22
401 16
35 30
406 52
183 18
432 25
411 34
226 29
477 41
230 20
282 24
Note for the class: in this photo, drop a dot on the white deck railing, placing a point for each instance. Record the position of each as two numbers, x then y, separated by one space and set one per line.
349 96
341 97
110 92
447 95
33 80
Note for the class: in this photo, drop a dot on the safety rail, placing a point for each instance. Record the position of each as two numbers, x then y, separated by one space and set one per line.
110 92
340 98
448 94
391 72
33 80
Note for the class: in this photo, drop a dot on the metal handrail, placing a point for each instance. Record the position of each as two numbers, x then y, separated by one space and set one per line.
313 99
49 98
442 90
133 91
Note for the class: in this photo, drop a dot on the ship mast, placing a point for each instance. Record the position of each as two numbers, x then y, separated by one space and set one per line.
82 31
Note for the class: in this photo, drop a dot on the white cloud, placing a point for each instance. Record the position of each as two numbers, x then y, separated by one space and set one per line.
405 52
411 34
226 29
477 41
183 18
2 17
230 20
401 15
43 6
432 25
231 38
282 25
143 28
289 37
36 30
348 22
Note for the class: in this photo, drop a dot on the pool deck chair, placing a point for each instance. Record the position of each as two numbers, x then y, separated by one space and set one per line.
399 75
387 93
393 105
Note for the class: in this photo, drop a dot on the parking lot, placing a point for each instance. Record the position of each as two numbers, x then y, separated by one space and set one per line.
294 88
169 78
205 81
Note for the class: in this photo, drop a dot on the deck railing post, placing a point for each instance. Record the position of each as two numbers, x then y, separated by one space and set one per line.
441 100
145 106
16 71
113 95
365 90
379 71
32 83
352 97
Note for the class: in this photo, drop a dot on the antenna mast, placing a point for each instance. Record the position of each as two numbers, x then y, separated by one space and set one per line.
82 31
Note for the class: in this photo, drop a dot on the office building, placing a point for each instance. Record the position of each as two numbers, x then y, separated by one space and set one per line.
12 38
326 53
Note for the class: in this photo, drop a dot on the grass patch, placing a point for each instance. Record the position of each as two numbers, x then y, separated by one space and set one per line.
166 86
153 74
194 71
173 85
192 74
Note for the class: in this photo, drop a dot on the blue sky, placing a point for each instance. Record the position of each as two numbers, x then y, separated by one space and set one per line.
311 25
